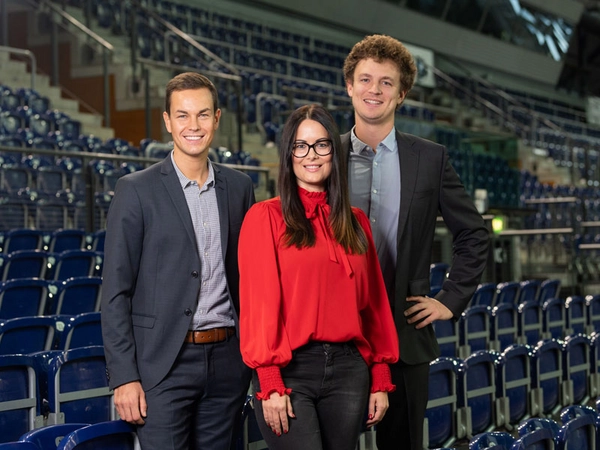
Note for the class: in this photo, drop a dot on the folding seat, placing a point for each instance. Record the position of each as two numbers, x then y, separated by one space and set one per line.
10 122
593 308
74 263
66 239
15 212
14 178
22 239
48 437
548 289
82 330
442 424
578 433
25 264
539 439
484 295
477 392
497 440
51 212
547 377
95 241
554 318
474 329
447 335
23 297
76 295
50 179
530 322
41 124
158 150
539 423
576 315
513 384
26 335
528 290
577 367
18 396
114 435
504 328
507 292
78 388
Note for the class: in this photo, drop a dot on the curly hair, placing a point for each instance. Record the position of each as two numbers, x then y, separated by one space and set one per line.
381 48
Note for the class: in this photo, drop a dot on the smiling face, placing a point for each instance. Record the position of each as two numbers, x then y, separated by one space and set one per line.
375 91
312 170
192 122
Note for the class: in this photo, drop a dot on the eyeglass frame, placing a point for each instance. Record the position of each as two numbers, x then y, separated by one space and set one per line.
313 147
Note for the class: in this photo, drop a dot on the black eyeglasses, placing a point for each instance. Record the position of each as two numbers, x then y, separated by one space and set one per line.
322 147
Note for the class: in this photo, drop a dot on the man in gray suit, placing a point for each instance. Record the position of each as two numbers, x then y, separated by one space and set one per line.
402 182
170 290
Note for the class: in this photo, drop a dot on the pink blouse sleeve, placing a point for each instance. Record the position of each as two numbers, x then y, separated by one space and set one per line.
263 338
378 324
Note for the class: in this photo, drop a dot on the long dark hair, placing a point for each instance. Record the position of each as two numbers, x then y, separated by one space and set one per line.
345 227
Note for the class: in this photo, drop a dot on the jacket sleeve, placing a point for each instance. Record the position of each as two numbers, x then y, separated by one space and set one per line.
470 241
377 321
263 338
123 249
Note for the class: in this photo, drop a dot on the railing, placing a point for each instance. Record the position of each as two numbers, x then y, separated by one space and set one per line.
27 54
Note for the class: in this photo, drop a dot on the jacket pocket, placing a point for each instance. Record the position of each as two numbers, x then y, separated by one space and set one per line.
140 320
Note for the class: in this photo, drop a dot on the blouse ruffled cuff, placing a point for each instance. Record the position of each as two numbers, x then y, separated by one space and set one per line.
270 381
381 378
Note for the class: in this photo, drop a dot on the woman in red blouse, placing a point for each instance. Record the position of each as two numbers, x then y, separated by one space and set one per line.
315 321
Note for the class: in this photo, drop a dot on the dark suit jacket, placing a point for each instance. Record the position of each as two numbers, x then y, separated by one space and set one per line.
430 186
151 275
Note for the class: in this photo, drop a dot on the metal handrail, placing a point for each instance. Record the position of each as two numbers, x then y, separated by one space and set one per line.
26 53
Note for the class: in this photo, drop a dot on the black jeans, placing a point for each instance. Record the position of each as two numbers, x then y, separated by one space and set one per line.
330 390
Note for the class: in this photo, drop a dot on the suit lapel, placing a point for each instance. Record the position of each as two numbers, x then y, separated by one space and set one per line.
173 186
223 204
409 163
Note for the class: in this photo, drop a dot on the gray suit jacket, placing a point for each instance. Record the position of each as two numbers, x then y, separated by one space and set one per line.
151 274
430 186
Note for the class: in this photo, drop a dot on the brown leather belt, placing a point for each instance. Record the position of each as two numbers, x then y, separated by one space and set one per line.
209 336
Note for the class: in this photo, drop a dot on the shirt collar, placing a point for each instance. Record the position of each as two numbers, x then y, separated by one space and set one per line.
388 143
185 181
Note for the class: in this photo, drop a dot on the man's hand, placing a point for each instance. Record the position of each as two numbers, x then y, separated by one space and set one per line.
276 411
426 309
378 405
130 401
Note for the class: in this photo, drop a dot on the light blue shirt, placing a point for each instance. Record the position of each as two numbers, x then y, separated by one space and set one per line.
214 308
374 180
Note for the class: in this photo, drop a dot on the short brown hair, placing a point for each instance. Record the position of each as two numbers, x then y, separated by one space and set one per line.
381 48
190 80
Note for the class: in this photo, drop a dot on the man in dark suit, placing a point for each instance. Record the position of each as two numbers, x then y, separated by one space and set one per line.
170 289
403 182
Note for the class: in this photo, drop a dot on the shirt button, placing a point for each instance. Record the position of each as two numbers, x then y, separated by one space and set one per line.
188 312
195 274
373 220
374 191
375 164
205 253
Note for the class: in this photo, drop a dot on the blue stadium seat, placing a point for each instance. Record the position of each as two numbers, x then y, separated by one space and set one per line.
22 239
595 364
23 297
18 396
448 338
437 274
26 335
513 384
576 366
554 318
593 308
78 388
76 295
504 328
16 445
82 330
95 241
578 433
75 263
576 315
474 329
66 239
114 435
548 289
528 290
48 437
14 178
25 264
547 377
540 439
530 322
477 391
443 425
507 292
485 294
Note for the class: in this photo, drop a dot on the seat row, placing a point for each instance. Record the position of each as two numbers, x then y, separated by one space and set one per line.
56 241
50 266
496 391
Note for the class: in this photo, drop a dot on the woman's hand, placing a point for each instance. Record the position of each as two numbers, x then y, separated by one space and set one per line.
378 405
276 411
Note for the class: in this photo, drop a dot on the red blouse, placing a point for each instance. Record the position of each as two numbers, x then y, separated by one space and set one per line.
289 297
